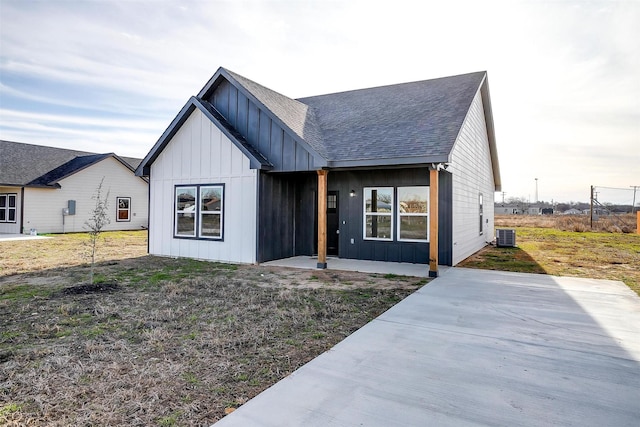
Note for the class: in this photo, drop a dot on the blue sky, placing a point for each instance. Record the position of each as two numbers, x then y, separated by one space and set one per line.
109 76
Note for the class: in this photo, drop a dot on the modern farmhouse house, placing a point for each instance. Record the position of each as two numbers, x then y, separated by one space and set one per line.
402 173
50 190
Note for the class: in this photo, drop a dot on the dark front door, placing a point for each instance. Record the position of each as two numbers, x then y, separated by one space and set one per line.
333 223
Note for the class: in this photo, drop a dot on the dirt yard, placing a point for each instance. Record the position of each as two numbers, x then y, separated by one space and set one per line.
158 341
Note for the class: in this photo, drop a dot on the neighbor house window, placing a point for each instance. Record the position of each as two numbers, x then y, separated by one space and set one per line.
481 208
124 209
413 214
378 213
8 207
199 211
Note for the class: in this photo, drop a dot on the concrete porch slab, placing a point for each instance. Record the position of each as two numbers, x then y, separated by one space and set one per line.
399 268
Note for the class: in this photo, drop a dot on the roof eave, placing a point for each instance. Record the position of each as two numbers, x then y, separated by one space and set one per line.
144 169
417 161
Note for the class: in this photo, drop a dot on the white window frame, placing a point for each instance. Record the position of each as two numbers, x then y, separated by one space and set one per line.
197 212
119 209
365 214
410 214
7 208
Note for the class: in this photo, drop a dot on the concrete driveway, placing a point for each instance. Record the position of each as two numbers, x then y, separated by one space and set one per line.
475 348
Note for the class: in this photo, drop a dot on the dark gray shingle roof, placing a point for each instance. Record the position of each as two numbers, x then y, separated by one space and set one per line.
36 165
295 115
419 119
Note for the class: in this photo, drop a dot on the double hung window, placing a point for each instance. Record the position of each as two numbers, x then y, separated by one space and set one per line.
8 207
199 211
408 207
413 214
378 213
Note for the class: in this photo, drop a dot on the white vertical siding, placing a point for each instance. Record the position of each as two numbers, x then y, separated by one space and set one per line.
199 153
472 174
43 206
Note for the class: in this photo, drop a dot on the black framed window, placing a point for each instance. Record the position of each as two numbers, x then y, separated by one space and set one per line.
199 211
378 213
413 214
8 207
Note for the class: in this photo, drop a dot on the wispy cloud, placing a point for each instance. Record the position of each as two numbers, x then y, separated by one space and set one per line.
563 75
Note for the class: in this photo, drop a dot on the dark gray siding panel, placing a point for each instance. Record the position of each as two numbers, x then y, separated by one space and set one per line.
243 115
264 138
276 218
445 214
303 161
286 220
254 125
232 116
288 153
351 215
287 225
278 146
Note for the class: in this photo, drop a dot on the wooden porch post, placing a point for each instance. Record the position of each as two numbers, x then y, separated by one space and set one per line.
322 218
433 221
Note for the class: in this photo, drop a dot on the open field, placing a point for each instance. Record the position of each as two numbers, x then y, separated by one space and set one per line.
551 249
158 341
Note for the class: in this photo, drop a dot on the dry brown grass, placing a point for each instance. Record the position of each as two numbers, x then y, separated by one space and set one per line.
159 341
560 247
625 223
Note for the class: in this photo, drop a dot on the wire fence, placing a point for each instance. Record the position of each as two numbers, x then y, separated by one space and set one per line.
615 199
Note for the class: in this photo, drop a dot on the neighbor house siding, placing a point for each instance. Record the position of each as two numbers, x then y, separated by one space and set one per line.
199 153
472 175
43 206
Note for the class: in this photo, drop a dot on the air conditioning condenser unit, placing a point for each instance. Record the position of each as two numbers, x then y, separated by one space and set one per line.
506 238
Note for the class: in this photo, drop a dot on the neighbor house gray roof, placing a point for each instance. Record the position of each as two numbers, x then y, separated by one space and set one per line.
401 124
40 166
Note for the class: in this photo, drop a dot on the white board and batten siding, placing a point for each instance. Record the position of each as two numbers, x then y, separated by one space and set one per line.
472 175
43 206
199 153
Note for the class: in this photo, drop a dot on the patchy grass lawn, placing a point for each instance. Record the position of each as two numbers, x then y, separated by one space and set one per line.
598 255
159 341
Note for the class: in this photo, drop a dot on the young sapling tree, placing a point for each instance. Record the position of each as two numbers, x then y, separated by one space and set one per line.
98 219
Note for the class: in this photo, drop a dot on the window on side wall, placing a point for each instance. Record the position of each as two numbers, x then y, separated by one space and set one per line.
481 208
378 213
8 207
413 214
199 211
124 209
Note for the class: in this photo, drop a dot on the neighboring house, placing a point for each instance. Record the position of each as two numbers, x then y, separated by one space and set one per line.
401 173
572 211
50 190
508 209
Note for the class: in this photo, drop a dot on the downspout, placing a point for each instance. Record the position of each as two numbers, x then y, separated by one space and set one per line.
21 210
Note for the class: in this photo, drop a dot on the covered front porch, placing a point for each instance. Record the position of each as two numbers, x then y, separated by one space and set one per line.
360 265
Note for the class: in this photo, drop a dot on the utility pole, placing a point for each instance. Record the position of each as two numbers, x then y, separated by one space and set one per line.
633 205
536 190
591 208
504 192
